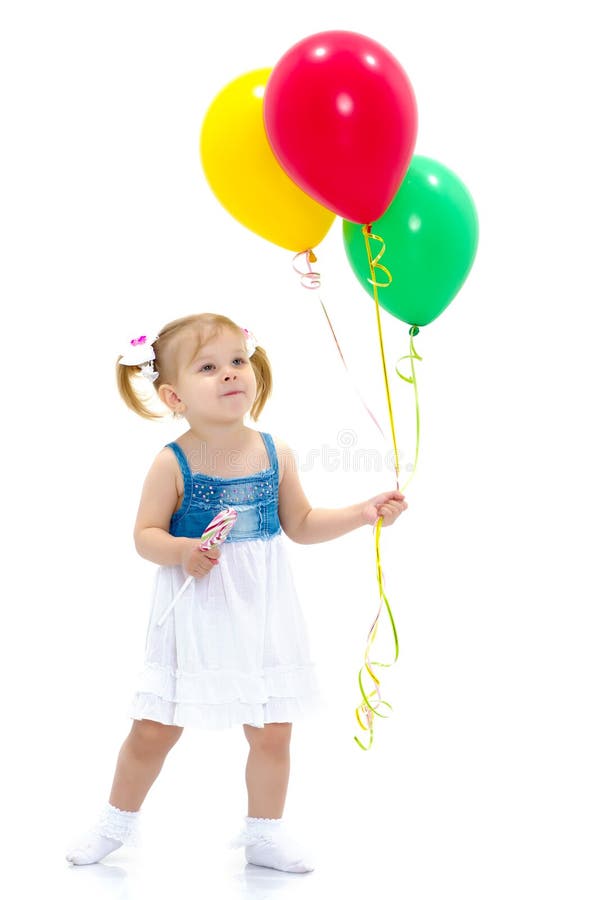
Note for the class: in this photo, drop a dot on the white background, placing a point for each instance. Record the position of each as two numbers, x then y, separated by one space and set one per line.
484 782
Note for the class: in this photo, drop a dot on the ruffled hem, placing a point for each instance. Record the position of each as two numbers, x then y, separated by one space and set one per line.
246 839
227 715
212 686
261 834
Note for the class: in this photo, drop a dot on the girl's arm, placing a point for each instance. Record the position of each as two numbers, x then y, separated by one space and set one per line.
306 525
158 502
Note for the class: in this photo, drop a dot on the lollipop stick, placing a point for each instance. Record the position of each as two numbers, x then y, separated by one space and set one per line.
181 591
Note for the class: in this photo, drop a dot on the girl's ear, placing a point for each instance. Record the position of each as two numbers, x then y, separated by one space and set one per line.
169 397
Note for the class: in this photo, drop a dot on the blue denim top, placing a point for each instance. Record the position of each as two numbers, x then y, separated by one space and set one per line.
255 498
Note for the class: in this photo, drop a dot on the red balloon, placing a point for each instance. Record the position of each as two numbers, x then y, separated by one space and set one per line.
341 118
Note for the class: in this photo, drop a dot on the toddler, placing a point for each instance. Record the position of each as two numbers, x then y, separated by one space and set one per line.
234 649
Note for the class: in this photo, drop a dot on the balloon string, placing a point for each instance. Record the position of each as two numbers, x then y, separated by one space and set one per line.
412 355
367 710
312 280
375 264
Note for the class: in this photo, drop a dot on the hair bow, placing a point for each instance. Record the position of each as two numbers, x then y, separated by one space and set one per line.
251 341
140 352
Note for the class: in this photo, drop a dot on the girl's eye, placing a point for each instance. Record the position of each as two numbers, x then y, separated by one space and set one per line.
208 365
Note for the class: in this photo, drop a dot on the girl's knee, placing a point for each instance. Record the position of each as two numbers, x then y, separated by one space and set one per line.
149 736
273 738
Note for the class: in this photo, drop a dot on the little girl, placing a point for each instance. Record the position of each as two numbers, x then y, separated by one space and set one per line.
233 650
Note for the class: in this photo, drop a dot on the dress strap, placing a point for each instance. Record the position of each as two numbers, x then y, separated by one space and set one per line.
270 445
185 469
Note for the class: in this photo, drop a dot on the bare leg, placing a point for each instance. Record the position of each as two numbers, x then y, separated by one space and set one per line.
267 777
268 769
140 760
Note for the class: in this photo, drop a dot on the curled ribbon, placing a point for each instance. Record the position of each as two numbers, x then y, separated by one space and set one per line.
309 279
375 264
366 709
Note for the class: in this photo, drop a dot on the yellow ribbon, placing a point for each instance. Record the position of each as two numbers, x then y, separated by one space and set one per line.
366 711
412 379
373 265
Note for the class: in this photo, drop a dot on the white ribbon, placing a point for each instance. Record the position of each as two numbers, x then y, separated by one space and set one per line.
251 341
138 351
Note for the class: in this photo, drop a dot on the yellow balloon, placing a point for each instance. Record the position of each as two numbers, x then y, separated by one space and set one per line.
245 175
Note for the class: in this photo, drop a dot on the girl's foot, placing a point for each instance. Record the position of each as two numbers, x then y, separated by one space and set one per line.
114 828
268 844
91 849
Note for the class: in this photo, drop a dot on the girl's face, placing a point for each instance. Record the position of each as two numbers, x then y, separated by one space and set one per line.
217 385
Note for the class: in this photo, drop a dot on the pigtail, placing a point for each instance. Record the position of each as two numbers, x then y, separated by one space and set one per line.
127 376
264 381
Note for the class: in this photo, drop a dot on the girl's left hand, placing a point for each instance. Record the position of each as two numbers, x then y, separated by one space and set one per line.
388 505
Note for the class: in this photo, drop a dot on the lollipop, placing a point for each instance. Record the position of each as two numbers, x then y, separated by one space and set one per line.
217 530
215 533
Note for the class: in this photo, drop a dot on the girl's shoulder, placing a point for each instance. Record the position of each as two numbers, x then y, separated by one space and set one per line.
280 444
285 454
166 465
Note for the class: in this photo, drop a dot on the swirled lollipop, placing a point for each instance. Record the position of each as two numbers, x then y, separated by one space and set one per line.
217 530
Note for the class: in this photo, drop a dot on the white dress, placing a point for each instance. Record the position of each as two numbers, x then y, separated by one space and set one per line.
235 648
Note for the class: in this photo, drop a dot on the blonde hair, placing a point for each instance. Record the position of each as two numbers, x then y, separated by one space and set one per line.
168 348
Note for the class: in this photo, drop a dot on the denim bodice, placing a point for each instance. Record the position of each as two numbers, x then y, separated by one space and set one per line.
255 498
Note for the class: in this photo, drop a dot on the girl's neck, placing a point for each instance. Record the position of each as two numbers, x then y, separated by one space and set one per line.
218 436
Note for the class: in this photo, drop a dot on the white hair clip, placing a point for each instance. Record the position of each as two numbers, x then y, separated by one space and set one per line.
140 352
148 371
250 341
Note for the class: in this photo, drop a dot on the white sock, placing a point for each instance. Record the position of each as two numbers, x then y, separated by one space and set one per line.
114 828
268 843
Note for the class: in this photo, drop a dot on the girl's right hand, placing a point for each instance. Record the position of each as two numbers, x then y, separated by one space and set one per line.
198 562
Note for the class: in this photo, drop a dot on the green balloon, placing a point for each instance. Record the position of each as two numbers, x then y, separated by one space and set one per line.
430 232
